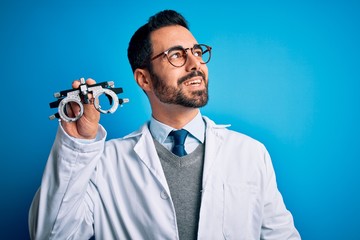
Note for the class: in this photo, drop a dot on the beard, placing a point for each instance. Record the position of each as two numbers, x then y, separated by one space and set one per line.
176 95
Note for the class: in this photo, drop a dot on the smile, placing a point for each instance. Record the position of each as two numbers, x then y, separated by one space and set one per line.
193 82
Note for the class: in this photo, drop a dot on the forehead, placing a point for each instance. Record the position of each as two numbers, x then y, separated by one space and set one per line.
170 36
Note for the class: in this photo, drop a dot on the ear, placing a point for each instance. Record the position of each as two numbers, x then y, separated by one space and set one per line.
142 78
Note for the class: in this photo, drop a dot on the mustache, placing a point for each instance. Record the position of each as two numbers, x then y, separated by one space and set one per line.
191 75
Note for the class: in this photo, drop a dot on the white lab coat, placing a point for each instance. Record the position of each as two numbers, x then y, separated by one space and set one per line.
117 190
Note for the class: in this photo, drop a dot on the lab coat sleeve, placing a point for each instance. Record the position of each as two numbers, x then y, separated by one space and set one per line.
277 222
62 207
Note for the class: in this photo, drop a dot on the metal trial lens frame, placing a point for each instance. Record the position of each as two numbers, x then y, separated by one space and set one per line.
80 96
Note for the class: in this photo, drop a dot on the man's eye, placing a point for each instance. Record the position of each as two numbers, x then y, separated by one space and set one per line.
176 55
198 52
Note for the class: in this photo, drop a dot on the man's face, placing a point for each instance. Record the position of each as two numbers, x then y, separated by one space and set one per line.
187 85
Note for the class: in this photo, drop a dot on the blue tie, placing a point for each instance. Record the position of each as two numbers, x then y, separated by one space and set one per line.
179 139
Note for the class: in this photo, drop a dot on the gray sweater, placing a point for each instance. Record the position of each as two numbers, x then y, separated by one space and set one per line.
184 177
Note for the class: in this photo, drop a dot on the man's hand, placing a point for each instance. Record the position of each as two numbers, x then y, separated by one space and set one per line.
85 127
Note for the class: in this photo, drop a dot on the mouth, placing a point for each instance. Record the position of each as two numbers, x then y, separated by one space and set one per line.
193 79
193 82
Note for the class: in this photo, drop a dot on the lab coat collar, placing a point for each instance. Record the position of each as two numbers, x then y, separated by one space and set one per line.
145 127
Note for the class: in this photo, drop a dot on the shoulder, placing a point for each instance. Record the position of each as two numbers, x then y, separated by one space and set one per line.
237 139
131 138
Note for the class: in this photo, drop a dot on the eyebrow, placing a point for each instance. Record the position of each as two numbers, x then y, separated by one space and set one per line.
175 47
161 53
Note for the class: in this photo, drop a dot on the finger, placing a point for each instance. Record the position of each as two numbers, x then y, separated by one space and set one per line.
90 81
76 83
69 111
72 109
89 109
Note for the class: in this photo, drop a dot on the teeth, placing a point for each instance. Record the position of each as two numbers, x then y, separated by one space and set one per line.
198 81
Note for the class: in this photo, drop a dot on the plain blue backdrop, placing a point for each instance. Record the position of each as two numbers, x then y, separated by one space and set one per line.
283 72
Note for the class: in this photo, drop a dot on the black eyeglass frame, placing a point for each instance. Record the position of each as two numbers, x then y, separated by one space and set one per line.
196 46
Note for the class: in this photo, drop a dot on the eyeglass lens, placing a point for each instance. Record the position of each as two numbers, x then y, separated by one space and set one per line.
177 56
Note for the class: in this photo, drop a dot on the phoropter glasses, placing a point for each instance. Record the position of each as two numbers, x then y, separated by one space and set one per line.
80 96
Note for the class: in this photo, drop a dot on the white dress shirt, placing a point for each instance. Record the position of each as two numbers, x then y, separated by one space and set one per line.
195 127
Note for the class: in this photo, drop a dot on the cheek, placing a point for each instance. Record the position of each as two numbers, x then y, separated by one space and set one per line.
167 73
172 77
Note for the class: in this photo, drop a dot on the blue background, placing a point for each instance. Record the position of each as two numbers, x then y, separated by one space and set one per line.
284 72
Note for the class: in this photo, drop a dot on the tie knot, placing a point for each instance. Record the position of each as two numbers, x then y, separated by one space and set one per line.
179 140
179 136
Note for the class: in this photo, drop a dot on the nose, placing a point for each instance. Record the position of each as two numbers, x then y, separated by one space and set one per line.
192 62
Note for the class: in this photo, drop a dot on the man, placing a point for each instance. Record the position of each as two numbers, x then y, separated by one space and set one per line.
220 186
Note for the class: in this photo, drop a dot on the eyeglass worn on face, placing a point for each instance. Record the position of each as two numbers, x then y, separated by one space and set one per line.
178 55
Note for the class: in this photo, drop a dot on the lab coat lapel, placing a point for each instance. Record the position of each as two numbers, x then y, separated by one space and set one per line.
213 141
146 151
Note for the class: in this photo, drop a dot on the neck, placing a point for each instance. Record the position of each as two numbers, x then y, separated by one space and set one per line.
175 116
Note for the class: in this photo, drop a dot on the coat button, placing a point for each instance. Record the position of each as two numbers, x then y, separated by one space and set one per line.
164 195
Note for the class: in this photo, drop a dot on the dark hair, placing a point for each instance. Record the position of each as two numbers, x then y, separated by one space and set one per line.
140 47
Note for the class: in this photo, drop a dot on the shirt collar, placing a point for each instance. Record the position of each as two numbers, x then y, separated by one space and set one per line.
196 127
